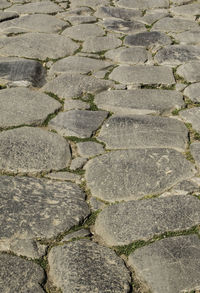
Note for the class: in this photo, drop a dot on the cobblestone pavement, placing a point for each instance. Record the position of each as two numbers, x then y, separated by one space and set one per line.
99 146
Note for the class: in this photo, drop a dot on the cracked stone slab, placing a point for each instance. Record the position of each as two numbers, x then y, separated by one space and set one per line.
24 106
188 10
191 37
38 46
123 26
132 174
85 266
83 31
192 116
143 4
32 150
126 222
5 16
65 176
71 85
169 265
177 54
19 69
88 3
20 275
42 209
98 44
190 71
139 101
143 131
89 149
178 25
36 7
195 150
193 92
78 123
117 12
143 74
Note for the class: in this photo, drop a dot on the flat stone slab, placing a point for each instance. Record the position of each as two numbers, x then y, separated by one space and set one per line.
5 16
135 55
142 4
24 106
190 71
71 85
32 150
186 10
117 12
132 174
195 150
76 105
37 46
98 44
88 3
65 176
191 37
45 207
152 16
123 26
89 149
82 19
35 7
84 266
126 222
169 265
83 31
178 25
78 123
139 101
192 116
143 74
143 131
192 91
20 275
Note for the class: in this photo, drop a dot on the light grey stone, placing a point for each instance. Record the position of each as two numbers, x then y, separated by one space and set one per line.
65 176
78 123
4 4
143 74
24 106
32 150
37 46
79 11
20 275
178 25
77 163
132 174
75 105
78 234
83 31
88 3
180 86
186 187
84 266
34 208
180 2
191 37
5 16
71 85
186 10
193 92
143 4
169 265
117 12
192 116
195 150
124 223
135 55
143 131
177 54
190 71
36 7
89 149
28 247
152 16
98 44
81 19
139 101
123 26
96 204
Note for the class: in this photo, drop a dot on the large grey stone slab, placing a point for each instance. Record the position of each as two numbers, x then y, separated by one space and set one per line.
143 131
83 31
191 37
70 85
76 105
24 106
18 69
35 7
20 275
139 101
34 208
89 149
65 176
32 150
190 71
4 4
178 25
195 150
77 163
132 174
88 3
177 54
193 92
123 26
78 123
38 46
143 74
169 265
135 55
154 15
187 10
124 223
192 116
117 12
81 19
142 4
5 16
98 44
84 266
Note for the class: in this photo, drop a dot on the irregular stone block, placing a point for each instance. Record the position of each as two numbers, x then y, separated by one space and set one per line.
186 10
4 16
135 55
98 44
75 105
36 7
143 4
65 176
4 4
117 12
75 20
77 163
132 174
188 38
193 92
178 25
78 234
190 71
85 266
192 116
88 3
152 16
123 26
195 150
89 149
83 31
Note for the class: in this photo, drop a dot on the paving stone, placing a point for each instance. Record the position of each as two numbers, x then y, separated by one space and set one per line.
186 10
177 54
193 92
96 204
32 150
77 163
187 187
143 74
88 3
4 4
180 86
145 171
191 37
65 176
83 31
142 131
37 46
76 105
169 265
152 16
117 12
89 149
71 85
85 266
143 4
18 69
178 25
139 101
195 150
27 247
80 11
20 275
24 106
190 71
78 123
98 44
4 16
135 55
78 234
123 26
45 207
124 223
180 2
36 7
82 19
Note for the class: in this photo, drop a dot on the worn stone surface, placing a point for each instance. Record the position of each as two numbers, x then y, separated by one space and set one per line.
98 44
186 10
178 25
193 92
123 26
32 150
76 105
132 174
89 149
117 12
35 7
191 37
190 71
78 123
88 3
124 223
20 275
4 4
192 116
77 163
139 101
195 150
37 46
135 55
169 265
78 234
85 266
142 131
64 176
83 31
81 19
24 106
143 4
154 15
4 16
143 74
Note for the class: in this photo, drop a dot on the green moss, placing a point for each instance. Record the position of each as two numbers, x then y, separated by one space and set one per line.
42 261
176 112
91 219
3 86
52 95
189 157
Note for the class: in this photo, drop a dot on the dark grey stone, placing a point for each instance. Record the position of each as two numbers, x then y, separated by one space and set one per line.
123 26
122 13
